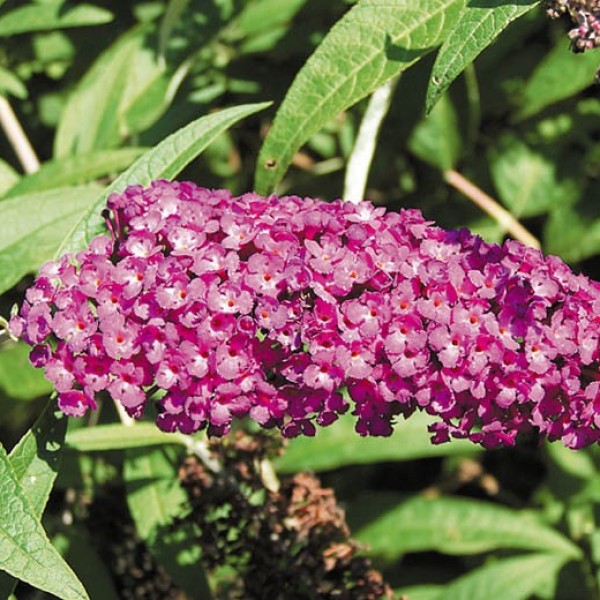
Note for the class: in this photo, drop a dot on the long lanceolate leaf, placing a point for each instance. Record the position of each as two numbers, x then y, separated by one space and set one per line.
454 526
164 161
34 461
372 43
25 550
478 26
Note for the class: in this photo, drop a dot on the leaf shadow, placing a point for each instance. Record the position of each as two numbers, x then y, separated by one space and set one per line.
400 54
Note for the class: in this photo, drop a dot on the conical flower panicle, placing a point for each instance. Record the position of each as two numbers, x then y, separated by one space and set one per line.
291 310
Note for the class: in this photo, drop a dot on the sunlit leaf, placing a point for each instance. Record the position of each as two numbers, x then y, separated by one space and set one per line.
477 28
33 225
576 463
50 16
91 118
35 460
164 161
73 170
25 550
11 84
517 578
119 437
17 378
339 445
451 526
573 232
560 75
8 177
527 181
375 41
263 16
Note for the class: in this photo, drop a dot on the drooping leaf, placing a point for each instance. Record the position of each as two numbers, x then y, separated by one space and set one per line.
518 578
560 75
437 138
527 181
477 28
339 445
25 550
35 460
374 42
164 161
156 498
33 225
451 526
17 378
11 84
74 170
119 437
51 16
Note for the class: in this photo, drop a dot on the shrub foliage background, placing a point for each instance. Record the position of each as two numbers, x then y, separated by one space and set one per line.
100 85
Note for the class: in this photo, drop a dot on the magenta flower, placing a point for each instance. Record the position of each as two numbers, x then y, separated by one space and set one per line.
292 311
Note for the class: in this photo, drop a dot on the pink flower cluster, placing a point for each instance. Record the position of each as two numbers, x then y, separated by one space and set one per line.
290 309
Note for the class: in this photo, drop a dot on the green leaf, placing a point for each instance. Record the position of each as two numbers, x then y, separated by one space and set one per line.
263 16
17 378
25 550
73 170
517 578
178 551
8 177
155 500
339 445
452 526
560 75
374 42
74 542
437 139
154 495
477 28
51 16
119 437
573 233
11 84
527 181
171 17
91 119
35 460
577 463
420 592
32 227
164 161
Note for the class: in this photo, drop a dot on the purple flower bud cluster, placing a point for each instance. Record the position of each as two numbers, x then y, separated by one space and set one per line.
291 310
586 15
